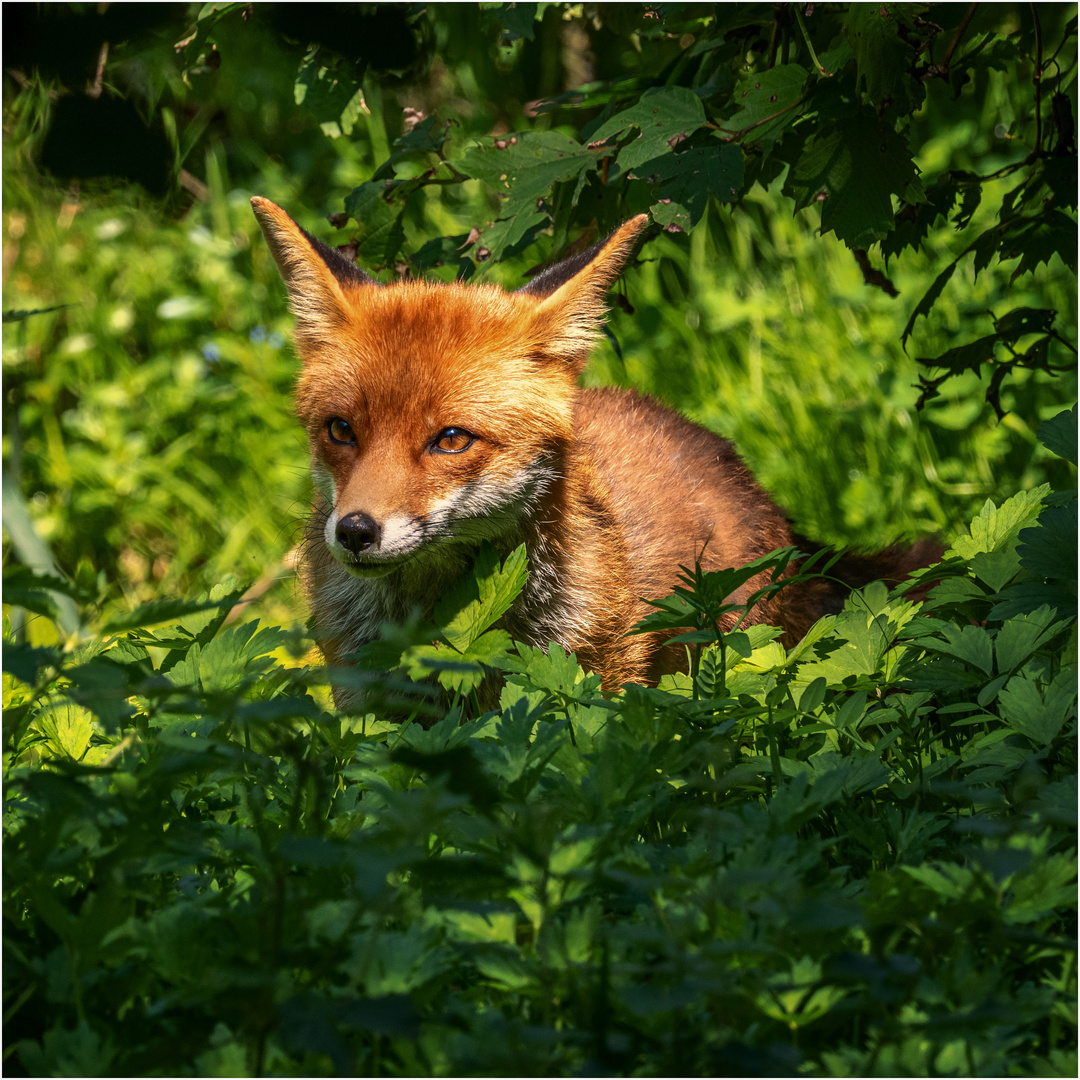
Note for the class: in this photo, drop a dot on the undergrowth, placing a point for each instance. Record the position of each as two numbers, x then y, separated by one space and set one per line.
854 857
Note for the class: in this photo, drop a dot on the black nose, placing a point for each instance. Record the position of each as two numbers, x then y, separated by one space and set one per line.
358 533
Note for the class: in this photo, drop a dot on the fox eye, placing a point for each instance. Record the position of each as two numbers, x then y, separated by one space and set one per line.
340 432
453 440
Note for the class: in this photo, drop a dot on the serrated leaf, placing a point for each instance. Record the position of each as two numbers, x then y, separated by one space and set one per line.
1038 715
989 51
1045 889
226 659
67 728
32 600
23 578
593 95
496 588
996 569
517 19
489 647
553 671
1050 549
1058 434
972 644
914 220
930 297
952 882
159 611
1050 234
857 166
995 528
968 357
882 57
664 116
426 137
764 95
1028 596
688 180
1025 320
524 168
442 251
459 765
380 233
102 686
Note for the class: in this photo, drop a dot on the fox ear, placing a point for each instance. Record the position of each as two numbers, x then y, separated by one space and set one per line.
317 277
572 292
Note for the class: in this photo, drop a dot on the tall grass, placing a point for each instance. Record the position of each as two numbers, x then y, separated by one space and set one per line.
148 423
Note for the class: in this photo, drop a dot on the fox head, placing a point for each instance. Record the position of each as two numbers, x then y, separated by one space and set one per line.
437 414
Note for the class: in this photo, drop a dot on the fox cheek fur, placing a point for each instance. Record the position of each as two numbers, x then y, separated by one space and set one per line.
440 416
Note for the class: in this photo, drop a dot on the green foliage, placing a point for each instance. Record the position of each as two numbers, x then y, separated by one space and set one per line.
735 109
704 105
854 857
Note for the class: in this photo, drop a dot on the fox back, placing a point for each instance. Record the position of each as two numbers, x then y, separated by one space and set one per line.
443 415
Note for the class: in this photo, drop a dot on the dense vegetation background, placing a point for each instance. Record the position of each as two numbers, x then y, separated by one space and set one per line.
857 857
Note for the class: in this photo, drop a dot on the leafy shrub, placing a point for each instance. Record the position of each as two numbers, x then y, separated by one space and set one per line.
856 857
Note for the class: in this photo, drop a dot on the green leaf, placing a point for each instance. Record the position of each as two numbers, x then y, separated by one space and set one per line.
518 20
496 586
229 656
459 765
426 137
1023 635
1039 714
17 577
553 671
522 169
380 234
159 611
882 56
67 728
1058 434
664 116
22 314
1024 320
949 881
26 663
333 95
996 569
856 168
1050 234
689 179
767 100
930 297
998 527
1044 890
972 644
967 357
813 696
1028 596
40 592
1049 549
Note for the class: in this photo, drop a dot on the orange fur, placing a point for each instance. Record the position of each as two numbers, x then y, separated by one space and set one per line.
610 492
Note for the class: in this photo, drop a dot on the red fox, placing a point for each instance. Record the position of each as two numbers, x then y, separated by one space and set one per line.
444 415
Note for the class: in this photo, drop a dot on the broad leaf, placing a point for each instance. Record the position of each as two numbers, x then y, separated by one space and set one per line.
855 168
664 116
